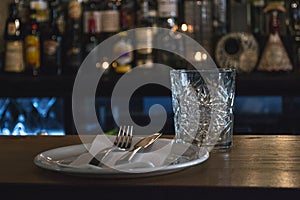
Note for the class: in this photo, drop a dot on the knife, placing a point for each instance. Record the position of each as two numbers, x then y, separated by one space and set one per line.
142 144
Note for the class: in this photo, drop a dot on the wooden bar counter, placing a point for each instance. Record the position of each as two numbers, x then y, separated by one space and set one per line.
256 166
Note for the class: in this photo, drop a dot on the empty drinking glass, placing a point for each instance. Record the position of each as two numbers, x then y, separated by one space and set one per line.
203 106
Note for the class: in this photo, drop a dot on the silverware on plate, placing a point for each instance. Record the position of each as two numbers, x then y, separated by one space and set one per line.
142 144
122 142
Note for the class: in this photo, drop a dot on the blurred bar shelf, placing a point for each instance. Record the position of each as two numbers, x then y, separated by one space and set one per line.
252 84
284 87
268 84
15 85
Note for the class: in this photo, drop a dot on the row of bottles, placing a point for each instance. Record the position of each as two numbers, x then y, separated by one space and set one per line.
31 40
54 37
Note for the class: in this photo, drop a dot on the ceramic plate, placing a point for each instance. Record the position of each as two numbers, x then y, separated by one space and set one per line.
58 159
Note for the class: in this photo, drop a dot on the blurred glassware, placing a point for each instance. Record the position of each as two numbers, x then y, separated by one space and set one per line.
43 105
3 105
30 117
9 117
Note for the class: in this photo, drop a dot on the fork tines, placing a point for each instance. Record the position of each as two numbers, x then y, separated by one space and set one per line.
124 137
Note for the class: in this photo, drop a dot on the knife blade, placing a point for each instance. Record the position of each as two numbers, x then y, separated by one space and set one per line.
142 144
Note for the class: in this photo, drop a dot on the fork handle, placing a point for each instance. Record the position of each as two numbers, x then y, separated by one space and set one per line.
96 160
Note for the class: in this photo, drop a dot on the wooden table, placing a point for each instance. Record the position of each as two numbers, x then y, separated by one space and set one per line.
256 165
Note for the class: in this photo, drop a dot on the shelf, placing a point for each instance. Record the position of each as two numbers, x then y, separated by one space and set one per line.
252 84
268 84
15 85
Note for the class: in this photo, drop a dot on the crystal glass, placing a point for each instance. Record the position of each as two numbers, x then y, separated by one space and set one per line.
203 106
3 106
28 116
43 105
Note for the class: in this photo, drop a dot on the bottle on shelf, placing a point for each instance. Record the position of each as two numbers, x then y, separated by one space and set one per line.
51 44
110 18
274 56
42 12
61 8
72 45
91 11
147 17
32 46
168 18
282 16
221 12
23 9
294 30
123 47
257 17
60 14
128 14
91 37
167 13
13 36
197 22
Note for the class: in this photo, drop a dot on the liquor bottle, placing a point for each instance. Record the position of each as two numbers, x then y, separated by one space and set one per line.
91 37
282 16
257 18
91 8
32 46
52 45
14 58
123 47
274 56
110 17
198 22
294 31
147 19
61 9
221 11
42 12
23 9
128 14
167 13
41 8
60 14
168 18
73 51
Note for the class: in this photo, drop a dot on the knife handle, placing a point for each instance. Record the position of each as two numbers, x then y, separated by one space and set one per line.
128 156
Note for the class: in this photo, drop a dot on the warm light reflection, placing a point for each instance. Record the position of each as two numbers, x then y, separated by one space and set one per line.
98 65
190 28
103 65
184 27
199 56
17 23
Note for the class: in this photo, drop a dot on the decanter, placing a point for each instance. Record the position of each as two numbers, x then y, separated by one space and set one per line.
274 56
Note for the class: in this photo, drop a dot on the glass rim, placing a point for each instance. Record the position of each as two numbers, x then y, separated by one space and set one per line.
205 70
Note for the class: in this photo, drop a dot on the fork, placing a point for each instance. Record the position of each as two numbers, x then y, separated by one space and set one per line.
122 142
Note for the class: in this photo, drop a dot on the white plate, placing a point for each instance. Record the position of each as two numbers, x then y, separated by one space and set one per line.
59 158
